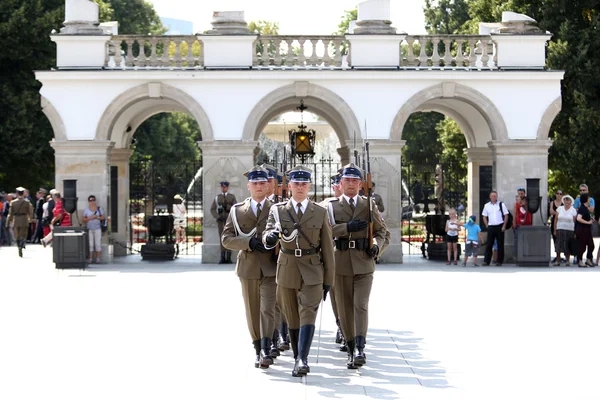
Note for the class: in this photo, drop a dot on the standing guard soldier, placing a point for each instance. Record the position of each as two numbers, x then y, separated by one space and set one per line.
255 265
355 260
21 211
272 189
302 229
220 210
377 199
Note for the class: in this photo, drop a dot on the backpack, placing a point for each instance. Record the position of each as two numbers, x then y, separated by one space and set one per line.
509 223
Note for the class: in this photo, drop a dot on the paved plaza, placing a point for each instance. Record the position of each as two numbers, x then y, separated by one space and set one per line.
176 330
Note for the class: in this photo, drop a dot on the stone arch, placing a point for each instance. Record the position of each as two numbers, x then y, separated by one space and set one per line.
151 91
548 117
323 102
60 133
462 122
450 90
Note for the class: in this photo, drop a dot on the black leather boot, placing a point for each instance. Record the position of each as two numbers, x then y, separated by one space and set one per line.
339 336
265 358
304 341
256 344
351 347
275 345
360 359
222 258
284 344
294 334
343 346
228 257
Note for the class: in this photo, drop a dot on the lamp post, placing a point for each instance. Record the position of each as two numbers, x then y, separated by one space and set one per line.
302 140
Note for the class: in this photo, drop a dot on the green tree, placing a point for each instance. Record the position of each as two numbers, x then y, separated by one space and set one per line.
344 25
135 17
423 146
263 27
27 158
445 16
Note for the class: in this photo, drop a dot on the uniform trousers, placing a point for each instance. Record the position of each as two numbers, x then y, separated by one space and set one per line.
259 300
21 232
352 297
220 227
334 303
300 306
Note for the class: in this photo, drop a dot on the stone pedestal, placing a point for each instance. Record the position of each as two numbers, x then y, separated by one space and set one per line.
386 161
534 246
119 226
222 160
86 162
106 257
228 51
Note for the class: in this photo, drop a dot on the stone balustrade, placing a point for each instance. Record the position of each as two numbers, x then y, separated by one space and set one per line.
449 52
154 52
299 51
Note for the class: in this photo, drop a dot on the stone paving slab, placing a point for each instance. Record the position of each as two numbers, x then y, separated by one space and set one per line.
176 330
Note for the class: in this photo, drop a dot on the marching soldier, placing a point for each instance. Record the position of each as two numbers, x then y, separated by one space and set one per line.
21 211
255 266
302 229
220 210
272 189
377 199
355 260
337 192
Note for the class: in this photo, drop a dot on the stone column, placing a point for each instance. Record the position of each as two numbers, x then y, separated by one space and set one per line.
386 163
346 154
515 161
477 157
86 162
119 226
222 160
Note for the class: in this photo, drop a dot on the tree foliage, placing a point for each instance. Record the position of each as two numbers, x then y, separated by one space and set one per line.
135 17
344 25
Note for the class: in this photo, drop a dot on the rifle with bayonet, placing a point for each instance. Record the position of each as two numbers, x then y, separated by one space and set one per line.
368 186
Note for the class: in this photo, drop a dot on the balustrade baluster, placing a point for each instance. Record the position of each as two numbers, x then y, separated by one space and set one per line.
410 55
265 52
190 57
484 53
118 56
472 50
277 60
144 59
460 58
326 57
423 55
289 59
314 59
448 52
301 55
129 59
201 54
153 58
435 57
165 58
495 51
178 52
337 43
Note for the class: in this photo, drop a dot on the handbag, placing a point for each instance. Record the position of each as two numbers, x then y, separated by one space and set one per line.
104 223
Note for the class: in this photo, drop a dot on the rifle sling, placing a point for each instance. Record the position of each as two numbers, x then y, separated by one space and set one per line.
297 226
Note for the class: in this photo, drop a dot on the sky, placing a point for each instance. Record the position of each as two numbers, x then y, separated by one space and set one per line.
294 17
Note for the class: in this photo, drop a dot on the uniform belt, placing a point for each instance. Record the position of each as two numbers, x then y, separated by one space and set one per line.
298 252
19 214
345 244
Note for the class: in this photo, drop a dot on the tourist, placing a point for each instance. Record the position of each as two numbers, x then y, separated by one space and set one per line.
554 204
452 228
179 218
495 218
8 229
522 218
46 217
39 215
93 216
472 241
583 188
583 230
563 228
61 217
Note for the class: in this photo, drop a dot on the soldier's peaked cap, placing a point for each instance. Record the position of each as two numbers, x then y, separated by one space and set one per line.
352 171
257 174
224 183
271 169
300 173
335 179
20 189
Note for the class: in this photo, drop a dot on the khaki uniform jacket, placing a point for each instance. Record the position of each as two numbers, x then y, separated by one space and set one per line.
357 262
250 265
314 269
21 211
228 200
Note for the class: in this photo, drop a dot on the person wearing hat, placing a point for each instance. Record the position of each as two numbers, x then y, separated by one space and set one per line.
355 260
377 199
272 189
179 218
255 266
337 192
301 227
220 210
20 214
472 241
39 214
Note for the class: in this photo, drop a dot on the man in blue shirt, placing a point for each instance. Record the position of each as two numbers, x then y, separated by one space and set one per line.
583 188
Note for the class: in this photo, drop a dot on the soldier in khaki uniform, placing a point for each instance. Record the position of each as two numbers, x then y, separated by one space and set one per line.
21 213
305 267
220 210
355 261
255 265
377 199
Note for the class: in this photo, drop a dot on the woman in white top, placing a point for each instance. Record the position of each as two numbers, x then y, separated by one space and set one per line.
179 215
564 227
452 227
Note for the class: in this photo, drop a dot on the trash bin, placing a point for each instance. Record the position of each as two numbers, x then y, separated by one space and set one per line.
70 247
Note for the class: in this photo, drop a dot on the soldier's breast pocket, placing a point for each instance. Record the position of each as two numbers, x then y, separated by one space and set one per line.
313 231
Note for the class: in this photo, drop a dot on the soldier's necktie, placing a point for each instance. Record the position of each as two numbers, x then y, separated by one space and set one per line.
258 210
299 205
352 203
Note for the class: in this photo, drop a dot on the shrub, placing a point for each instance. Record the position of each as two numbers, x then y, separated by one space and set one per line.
411 230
